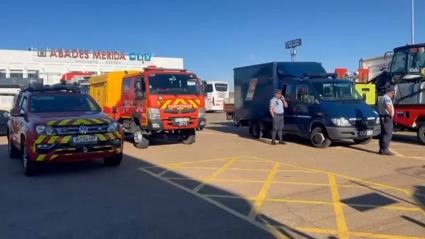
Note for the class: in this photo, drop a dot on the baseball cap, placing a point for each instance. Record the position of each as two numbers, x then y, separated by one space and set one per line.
278 91
391 88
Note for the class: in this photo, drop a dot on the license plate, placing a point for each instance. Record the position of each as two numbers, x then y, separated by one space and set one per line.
366 133
181 121
84 139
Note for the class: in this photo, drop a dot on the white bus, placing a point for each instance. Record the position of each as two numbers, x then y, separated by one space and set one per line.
217 93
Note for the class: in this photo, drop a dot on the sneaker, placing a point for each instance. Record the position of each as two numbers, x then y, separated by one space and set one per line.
273 142
282 142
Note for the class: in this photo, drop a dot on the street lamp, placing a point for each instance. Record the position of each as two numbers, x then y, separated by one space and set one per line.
413 22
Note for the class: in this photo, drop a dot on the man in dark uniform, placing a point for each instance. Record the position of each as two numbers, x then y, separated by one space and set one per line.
277 105
386 115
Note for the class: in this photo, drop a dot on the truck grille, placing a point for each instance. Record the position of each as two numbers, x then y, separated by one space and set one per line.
363 123
89 129
184 111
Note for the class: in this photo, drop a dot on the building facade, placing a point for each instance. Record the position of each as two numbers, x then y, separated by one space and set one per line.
51 64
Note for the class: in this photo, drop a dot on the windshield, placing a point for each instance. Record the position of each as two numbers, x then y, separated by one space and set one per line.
221 87
174 84
416 59
209 88
336 91
63 103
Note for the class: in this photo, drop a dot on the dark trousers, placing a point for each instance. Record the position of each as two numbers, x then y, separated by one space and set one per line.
278 123
386 132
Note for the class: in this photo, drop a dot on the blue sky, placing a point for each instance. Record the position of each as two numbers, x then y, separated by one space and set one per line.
213 37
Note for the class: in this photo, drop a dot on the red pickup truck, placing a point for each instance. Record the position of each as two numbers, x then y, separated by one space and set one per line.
59 124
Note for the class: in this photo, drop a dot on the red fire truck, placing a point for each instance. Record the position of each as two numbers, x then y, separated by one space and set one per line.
154 102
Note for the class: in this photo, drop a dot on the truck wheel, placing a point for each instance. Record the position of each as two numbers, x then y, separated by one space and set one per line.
28 166
140 141
113 161
319 139
362 141
421 134
256 130
188 137
13 151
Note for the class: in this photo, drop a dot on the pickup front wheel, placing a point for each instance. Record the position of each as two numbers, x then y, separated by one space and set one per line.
13 151
113 161
28 166
421 134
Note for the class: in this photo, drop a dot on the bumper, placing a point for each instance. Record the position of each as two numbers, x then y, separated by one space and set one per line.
62 150
160 125
340 133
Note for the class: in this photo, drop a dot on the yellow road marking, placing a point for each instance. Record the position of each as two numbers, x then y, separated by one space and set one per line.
338 208
317 230
264 191
215 174
299 201
382 236
271 230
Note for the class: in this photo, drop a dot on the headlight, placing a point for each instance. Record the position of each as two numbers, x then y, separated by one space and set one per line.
154 114
377 121
41 129
341 122
112 127
201 113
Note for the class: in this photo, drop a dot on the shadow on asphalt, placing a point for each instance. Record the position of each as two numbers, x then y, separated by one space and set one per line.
419 196
408 139
89 200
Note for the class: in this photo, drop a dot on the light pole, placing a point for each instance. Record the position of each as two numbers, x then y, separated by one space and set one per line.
413 22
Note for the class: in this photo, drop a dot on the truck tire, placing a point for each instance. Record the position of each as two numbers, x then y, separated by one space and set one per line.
362 141
140 141
113 161
421 134
319 139
256 130
28 166
13 151
188 137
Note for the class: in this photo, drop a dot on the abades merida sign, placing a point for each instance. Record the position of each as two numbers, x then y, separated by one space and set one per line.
93 55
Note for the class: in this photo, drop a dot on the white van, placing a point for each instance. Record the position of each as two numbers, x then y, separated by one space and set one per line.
217 93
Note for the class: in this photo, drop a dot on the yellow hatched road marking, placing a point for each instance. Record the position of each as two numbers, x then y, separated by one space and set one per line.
266 228
338 208
41 157
264 191
52 139
215 174
383 236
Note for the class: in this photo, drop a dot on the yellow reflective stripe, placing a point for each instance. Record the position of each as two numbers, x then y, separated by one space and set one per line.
40 139
64 122
193 104
198 102
101 137
111 136
53 139
164 106
66 139
52 122
117 134
53 156
41 157
97 121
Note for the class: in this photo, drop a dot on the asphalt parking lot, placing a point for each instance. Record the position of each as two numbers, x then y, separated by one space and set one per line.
227 185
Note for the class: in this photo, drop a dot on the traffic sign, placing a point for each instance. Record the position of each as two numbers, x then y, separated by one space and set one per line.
293 43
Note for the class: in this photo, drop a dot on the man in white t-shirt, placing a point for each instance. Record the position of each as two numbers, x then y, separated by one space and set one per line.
386 115
277 109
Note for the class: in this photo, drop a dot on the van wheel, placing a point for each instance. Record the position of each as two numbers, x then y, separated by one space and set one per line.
188 137
113 161
421 134
140 141
362 141
256 130
319 139
13 151
28 166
